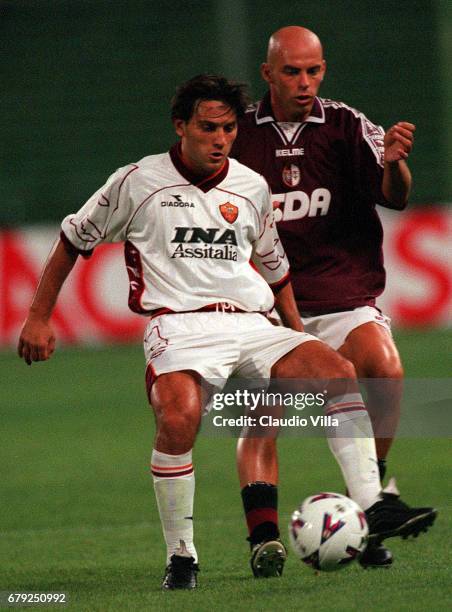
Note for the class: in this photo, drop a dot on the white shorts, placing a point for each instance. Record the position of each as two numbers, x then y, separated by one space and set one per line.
334 328
217 345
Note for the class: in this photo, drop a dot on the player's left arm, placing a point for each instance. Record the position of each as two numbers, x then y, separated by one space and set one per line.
287 309
398 143
271 261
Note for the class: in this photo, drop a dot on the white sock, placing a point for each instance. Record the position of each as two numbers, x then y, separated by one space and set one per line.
353 445
174 486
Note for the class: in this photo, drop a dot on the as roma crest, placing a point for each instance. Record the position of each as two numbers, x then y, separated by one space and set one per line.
229 211
291 175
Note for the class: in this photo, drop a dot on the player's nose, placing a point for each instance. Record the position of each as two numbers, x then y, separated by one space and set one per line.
220 138
303 80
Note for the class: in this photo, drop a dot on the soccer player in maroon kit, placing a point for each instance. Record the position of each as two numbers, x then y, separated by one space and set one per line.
328 166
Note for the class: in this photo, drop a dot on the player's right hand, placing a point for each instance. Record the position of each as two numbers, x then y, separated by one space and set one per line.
36 341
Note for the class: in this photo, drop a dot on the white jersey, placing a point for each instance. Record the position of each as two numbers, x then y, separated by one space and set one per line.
189 243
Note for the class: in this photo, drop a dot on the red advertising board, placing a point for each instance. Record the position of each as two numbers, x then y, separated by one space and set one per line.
93 304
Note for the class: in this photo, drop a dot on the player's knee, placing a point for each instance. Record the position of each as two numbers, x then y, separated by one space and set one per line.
177 418
336 366
314 360
388 365
343 368
390 368
178 428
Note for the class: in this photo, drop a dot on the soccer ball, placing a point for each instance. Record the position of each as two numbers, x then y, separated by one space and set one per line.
328 531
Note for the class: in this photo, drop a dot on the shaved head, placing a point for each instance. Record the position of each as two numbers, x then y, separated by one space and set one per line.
294 71
292 37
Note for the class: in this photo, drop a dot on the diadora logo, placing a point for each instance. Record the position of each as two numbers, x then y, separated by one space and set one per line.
177 201
215 243
297 204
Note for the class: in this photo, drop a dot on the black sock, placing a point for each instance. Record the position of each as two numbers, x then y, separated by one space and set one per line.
382 468
260 502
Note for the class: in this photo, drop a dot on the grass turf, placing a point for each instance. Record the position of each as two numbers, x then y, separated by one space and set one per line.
78 513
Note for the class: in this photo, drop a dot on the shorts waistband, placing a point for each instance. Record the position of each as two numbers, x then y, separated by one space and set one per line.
224 307
319 313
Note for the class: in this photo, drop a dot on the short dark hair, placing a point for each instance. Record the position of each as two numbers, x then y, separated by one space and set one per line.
208 87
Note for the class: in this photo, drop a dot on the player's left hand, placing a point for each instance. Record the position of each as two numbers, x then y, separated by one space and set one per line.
398 141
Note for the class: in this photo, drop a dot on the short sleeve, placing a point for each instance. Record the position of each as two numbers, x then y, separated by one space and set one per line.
366 159
104 217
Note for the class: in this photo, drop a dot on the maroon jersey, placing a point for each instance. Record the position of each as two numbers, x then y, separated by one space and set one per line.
327 172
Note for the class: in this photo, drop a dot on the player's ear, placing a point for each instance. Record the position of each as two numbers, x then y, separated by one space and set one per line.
323 69
179 126
266 72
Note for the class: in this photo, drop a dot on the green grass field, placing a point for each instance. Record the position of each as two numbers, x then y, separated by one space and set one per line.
79 516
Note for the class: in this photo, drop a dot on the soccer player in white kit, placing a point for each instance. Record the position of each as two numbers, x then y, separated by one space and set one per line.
192 222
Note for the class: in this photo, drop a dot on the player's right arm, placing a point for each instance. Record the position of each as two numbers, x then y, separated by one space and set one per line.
103 218
37 339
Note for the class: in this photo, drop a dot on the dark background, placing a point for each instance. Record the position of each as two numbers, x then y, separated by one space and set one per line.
86 85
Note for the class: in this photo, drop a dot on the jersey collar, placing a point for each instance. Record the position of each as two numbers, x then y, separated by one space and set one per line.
205 183
264 112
